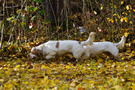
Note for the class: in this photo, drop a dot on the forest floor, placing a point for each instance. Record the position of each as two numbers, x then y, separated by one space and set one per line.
17 71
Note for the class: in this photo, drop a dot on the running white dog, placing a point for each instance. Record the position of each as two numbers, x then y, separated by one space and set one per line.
100 47
51 49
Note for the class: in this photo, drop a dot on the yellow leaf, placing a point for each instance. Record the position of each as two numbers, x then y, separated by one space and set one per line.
124 13
114 14
1 80
130 22
134 41
14 82
133 10
8 85
8 19
73 84
17 66
95 12
75 16
1 22
101 7
111 80
133 87
128 7
126 34
46 81
128 51
92 22
10 47
122 29
123 58
105 85
27 44
44 67
112 21
26 83
80 39
108 19
58 28
126 19
122 2
121 19
133 52
115 6
67 67
118 16
116 19
100 60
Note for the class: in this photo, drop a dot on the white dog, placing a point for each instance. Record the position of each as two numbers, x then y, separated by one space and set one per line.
51 49
100 47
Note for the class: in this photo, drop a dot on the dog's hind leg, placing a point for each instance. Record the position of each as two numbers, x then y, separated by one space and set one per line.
119 58
115 53
79 59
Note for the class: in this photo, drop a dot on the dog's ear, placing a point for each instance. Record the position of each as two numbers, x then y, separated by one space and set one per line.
33 50
92 36
39 53
36 52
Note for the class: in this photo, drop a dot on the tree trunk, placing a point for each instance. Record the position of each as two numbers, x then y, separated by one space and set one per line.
2 25
84 6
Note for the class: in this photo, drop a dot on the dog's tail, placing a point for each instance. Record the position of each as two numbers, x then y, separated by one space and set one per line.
90 39
120 44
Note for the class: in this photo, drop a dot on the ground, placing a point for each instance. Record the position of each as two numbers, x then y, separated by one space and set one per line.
65 73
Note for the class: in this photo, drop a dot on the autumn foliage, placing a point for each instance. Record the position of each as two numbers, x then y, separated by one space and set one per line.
34 22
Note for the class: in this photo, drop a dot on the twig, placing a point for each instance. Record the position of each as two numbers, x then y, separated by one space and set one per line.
15 23
2 29
102 14
53 13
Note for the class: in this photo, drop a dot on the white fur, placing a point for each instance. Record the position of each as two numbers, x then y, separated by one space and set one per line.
32 55
100 47
50 50
67 46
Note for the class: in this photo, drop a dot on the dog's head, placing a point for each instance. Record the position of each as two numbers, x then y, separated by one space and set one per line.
91 38
36 52
92 35
32 56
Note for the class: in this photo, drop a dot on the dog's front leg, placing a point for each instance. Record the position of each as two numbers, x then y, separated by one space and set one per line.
82 57
86 55
51 55
79 60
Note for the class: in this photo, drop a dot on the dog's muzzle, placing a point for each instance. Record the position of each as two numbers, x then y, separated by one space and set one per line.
32 56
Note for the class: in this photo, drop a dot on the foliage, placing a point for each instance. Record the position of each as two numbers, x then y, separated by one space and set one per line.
34 23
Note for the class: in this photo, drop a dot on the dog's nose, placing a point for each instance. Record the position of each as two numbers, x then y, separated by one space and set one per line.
32 56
